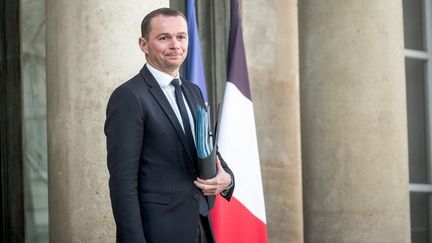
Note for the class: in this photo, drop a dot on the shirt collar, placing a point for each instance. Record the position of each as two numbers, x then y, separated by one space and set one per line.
162 78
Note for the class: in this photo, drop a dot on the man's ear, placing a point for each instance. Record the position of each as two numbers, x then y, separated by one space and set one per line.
143 45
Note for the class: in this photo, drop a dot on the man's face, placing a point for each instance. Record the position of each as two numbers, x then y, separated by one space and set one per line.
166 44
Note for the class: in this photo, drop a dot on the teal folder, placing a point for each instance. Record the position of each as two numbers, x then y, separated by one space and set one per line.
206 148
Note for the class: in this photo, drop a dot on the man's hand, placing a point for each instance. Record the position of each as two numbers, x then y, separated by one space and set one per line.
216 184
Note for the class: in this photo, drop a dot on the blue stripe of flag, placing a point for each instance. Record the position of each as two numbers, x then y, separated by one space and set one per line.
193 68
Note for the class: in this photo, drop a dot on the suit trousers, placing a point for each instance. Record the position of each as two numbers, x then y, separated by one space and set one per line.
204 234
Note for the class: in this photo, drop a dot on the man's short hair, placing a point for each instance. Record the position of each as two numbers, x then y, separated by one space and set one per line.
145 24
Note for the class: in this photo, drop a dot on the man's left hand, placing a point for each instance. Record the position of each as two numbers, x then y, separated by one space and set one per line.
216 184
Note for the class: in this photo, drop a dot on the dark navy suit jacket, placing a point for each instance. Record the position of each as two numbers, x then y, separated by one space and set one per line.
151 167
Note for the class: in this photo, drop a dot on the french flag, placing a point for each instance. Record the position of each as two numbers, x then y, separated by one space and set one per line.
243 219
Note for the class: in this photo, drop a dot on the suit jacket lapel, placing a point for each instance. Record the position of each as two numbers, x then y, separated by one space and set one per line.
161 99
191 100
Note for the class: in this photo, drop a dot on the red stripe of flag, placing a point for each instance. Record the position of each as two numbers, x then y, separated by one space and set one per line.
234 223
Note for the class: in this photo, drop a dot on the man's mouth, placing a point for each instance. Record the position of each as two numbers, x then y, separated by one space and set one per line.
174 55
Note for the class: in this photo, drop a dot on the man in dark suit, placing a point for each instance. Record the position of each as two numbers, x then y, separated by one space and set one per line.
155 191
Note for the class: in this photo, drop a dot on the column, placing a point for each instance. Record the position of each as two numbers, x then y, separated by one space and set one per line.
92 47
270 31
354 122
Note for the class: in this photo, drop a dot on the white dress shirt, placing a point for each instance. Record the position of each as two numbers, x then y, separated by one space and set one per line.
164 81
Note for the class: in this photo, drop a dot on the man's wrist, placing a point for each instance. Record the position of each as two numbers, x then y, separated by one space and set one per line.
226 190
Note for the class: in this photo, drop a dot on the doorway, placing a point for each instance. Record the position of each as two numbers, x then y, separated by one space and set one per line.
11 159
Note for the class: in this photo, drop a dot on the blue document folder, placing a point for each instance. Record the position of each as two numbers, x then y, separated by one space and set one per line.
206 148
204 132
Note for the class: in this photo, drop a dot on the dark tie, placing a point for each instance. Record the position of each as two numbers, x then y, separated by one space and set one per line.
183 113
203 207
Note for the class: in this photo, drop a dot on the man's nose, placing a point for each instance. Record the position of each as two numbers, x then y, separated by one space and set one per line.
175 43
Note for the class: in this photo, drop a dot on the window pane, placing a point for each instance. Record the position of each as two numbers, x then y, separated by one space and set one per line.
416 107
420 217
34 123
413 24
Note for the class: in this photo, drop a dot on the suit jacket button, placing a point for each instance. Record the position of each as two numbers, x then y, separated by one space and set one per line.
195 197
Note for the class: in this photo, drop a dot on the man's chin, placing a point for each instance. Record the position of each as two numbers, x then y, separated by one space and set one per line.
175 63
175 60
